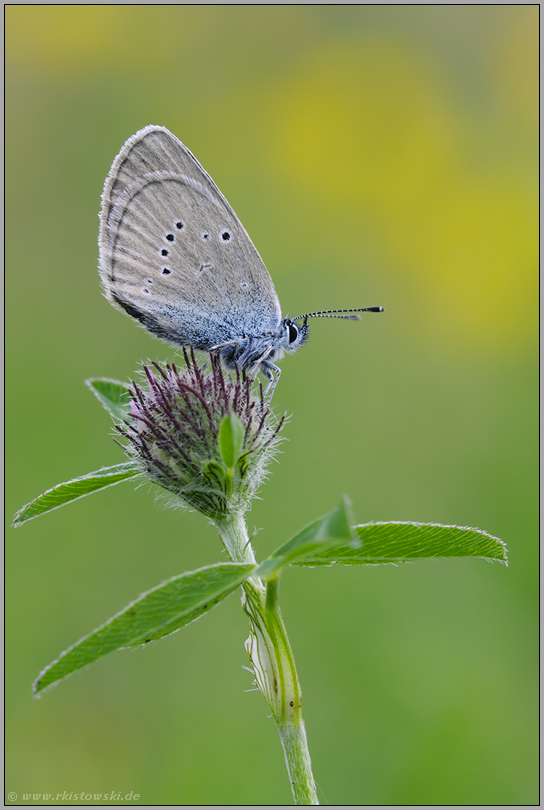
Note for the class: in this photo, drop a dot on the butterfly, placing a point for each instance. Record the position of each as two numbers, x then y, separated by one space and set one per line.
174 256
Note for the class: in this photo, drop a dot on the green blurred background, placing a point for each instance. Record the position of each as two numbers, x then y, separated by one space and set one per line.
376 155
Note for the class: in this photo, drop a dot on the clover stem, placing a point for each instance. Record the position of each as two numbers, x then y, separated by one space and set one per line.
297 760
233 532
290 723
273 662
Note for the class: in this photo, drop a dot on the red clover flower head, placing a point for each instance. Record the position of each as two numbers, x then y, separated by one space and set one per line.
202 435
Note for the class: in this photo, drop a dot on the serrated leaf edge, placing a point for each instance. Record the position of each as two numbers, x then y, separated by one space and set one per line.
418 524
35 685
130 464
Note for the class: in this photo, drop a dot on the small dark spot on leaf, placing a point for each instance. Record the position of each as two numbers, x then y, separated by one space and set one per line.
291 703
147 641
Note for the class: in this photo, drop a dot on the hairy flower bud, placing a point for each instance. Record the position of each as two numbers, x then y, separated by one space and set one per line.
202 435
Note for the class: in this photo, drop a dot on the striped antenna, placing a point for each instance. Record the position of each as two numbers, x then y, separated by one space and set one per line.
338 313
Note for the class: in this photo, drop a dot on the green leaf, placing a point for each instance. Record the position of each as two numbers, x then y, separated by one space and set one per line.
113 395
231 439
74 489
401 542
323 534
155 614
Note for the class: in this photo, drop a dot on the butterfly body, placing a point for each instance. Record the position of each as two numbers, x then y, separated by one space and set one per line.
174 256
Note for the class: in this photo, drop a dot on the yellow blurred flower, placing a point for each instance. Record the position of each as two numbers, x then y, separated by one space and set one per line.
369 126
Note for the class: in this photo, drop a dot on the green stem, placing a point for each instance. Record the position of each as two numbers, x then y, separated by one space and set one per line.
299 766
233 532
273 663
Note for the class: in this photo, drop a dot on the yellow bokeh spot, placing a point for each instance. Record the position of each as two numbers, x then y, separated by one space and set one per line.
515 62
56 36
369 129
62 39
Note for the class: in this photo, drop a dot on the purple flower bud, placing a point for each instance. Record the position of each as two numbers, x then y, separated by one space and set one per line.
173 433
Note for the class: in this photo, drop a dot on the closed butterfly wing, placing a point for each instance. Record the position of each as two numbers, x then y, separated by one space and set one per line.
173 254
152 149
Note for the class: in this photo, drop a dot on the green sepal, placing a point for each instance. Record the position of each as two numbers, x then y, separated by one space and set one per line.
217 475
155 614
76 488
113 395
325 533
231 440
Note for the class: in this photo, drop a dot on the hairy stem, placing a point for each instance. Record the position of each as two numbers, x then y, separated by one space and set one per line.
273 663
233 533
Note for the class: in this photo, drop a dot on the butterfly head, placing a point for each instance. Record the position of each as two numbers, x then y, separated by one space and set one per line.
293 334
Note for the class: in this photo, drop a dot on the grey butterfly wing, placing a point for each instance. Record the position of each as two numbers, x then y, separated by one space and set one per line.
151 149
173 254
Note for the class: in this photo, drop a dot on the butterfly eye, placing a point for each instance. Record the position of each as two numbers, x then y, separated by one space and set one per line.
293 333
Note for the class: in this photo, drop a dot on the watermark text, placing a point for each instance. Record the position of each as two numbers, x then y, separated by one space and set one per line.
65 796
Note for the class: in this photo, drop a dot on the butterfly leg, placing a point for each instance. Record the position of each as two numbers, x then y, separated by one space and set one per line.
273 373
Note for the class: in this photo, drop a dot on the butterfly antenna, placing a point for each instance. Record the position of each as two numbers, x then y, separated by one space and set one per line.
348 314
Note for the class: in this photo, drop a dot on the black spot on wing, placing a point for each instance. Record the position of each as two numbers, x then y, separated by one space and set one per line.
129 309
